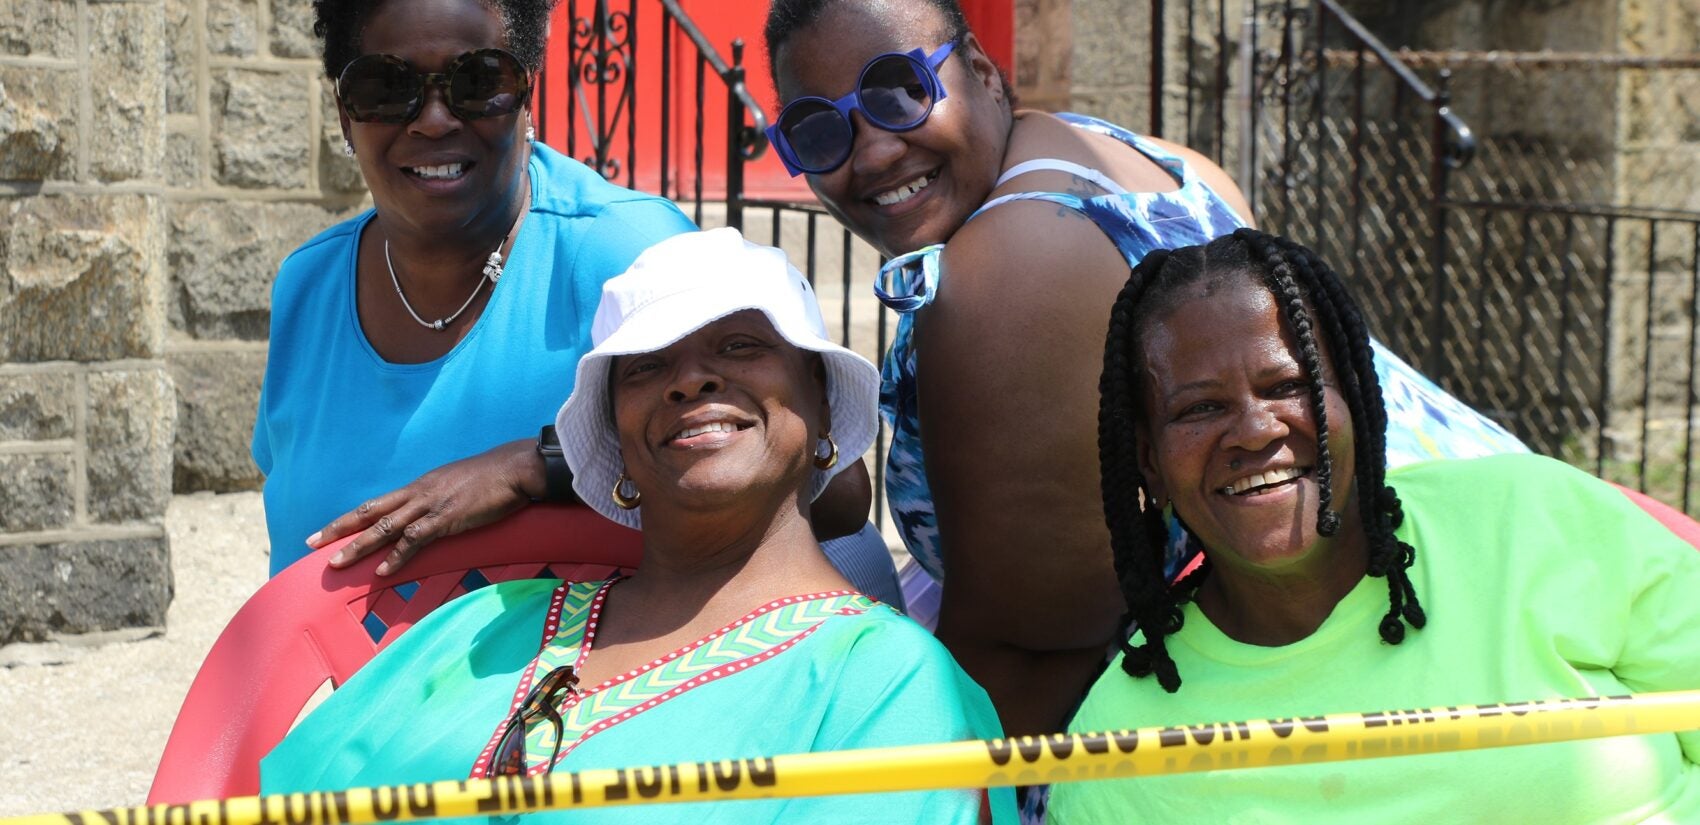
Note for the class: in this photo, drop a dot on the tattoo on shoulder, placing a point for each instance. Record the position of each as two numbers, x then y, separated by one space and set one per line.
1082 189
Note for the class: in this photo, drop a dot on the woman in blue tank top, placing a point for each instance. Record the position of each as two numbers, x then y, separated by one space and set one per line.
908 135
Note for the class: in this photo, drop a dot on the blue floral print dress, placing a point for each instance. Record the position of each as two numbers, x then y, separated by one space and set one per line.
1423 421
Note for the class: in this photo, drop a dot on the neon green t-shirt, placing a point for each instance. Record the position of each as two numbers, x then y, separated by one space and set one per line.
1539 582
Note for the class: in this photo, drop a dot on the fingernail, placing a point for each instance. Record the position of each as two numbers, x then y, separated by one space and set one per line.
313 540
384 568
337 560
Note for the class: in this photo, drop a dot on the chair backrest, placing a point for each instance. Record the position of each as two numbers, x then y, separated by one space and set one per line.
312 623
1684 527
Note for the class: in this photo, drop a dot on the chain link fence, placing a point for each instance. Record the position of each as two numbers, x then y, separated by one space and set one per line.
1581 215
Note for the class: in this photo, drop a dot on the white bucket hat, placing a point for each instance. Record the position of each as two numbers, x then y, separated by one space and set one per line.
673 289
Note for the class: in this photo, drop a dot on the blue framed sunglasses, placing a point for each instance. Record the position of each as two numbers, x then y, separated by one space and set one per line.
896 92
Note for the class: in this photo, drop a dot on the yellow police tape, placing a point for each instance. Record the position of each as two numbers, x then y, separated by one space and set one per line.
1153 751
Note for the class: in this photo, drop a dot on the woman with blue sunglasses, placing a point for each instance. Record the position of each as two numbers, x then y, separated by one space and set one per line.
908 134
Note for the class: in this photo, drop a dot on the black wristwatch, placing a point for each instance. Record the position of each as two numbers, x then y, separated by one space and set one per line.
559 477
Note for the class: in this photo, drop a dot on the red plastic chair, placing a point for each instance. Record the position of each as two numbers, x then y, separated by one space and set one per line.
312 623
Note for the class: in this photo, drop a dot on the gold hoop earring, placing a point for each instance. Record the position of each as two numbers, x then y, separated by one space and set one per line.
623 499
826 458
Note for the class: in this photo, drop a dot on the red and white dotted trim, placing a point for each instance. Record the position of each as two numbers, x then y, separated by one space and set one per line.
551 625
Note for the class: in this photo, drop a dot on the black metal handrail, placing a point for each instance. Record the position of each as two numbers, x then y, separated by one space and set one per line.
752 140
1459 141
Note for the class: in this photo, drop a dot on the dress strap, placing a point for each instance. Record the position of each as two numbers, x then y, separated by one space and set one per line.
908 282
1173 163
1059 165
1062 199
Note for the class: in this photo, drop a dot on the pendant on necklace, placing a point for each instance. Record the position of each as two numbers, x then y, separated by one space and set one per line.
493 267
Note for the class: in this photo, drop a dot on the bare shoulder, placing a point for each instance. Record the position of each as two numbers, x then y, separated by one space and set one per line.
1025 255
1213 176
1010 353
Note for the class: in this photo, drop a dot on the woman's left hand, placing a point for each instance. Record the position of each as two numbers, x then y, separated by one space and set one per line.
451 499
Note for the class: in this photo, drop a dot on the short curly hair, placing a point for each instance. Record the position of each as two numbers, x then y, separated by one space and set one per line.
338 25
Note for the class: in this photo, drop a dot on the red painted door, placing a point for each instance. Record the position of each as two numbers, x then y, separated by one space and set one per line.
626 112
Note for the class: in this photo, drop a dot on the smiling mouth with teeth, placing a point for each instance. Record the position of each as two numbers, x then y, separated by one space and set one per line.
715 427
1260 482
907 190
447 171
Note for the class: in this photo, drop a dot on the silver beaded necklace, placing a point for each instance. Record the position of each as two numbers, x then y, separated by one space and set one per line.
492 273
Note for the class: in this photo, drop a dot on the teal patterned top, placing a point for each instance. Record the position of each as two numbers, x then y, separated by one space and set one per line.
811 672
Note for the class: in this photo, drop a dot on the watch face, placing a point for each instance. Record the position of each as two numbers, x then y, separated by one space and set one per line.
547 442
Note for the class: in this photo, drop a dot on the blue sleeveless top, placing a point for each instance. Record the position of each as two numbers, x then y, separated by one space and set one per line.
1423 421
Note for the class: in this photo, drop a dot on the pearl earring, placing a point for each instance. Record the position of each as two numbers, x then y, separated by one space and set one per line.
530 133
347 149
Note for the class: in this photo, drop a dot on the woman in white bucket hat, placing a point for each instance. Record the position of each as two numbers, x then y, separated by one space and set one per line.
674 290
711 413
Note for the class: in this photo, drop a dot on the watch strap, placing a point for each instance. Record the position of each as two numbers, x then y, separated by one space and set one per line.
558 477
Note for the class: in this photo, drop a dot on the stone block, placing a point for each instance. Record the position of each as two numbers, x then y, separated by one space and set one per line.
1573 26
1658 27
181 58
38 124
292 29
39 28
127 49
260 134
1104 31
132 416
1662 177
37 491
1659 107
183 160
83 586
232 30
1044 51
338 172
88 272
217 394
37 406
223 257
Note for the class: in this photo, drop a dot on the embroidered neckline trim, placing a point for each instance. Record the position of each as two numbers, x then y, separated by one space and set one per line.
574 612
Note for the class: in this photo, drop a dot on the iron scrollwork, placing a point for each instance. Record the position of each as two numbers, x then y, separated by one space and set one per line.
600 60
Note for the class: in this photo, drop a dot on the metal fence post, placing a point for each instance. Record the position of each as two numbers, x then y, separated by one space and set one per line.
1157 69
1440 174
735 138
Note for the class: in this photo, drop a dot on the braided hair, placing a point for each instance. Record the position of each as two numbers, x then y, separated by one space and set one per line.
1317 308
339 23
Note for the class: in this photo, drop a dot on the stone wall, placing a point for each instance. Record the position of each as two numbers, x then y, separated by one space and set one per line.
158 158
254 167
86 407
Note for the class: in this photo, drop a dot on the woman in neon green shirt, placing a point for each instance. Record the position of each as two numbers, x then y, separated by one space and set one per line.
1238 390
